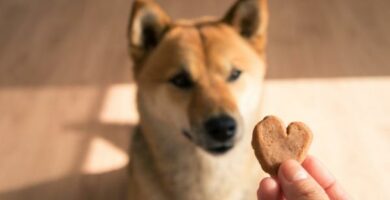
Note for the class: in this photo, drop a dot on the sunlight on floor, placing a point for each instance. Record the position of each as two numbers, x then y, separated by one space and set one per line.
103 156
118 106
347 115
350 121
349 118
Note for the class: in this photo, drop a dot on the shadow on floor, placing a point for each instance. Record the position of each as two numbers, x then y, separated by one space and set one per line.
108 185
118 135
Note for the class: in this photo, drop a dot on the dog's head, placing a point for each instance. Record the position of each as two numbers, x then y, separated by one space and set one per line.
201 79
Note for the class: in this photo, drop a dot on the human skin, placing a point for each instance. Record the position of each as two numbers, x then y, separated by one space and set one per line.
309 181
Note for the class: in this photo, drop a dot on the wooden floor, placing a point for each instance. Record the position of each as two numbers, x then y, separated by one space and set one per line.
67 96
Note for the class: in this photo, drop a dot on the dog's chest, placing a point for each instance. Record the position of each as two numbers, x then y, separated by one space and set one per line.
192 175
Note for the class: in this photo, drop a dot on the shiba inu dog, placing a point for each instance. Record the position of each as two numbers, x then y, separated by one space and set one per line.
199 93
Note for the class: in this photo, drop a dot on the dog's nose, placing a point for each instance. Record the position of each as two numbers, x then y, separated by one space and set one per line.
221 128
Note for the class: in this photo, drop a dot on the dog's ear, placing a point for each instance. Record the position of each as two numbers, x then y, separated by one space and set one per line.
148 22
250 19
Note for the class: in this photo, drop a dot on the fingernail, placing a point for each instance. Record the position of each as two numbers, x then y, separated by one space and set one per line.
292 171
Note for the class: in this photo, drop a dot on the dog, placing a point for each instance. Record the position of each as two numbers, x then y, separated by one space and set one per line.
199 96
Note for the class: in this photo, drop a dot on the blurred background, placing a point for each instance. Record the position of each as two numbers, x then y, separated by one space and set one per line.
67 94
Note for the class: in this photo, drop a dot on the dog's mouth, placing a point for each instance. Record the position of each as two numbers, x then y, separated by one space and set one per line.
216 149
220 149
187 135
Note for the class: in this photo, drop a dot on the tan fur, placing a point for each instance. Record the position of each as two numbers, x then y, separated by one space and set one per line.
164 163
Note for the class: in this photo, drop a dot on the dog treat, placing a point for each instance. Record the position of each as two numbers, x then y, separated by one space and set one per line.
273 145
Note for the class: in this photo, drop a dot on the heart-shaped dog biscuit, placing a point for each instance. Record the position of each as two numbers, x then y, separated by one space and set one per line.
273 145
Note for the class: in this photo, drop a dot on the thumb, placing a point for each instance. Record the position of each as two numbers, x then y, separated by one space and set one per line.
297 184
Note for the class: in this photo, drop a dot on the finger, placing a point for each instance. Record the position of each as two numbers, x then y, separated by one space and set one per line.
269 189
323 177
297 184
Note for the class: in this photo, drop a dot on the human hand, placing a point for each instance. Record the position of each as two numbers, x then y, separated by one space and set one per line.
311 181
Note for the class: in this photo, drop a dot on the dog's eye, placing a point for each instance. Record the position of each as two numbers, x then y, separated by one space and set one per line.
234 75
182 80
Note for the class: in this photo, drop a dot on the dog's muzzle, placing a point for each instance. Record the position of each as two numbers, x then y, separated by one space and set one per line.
218 134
